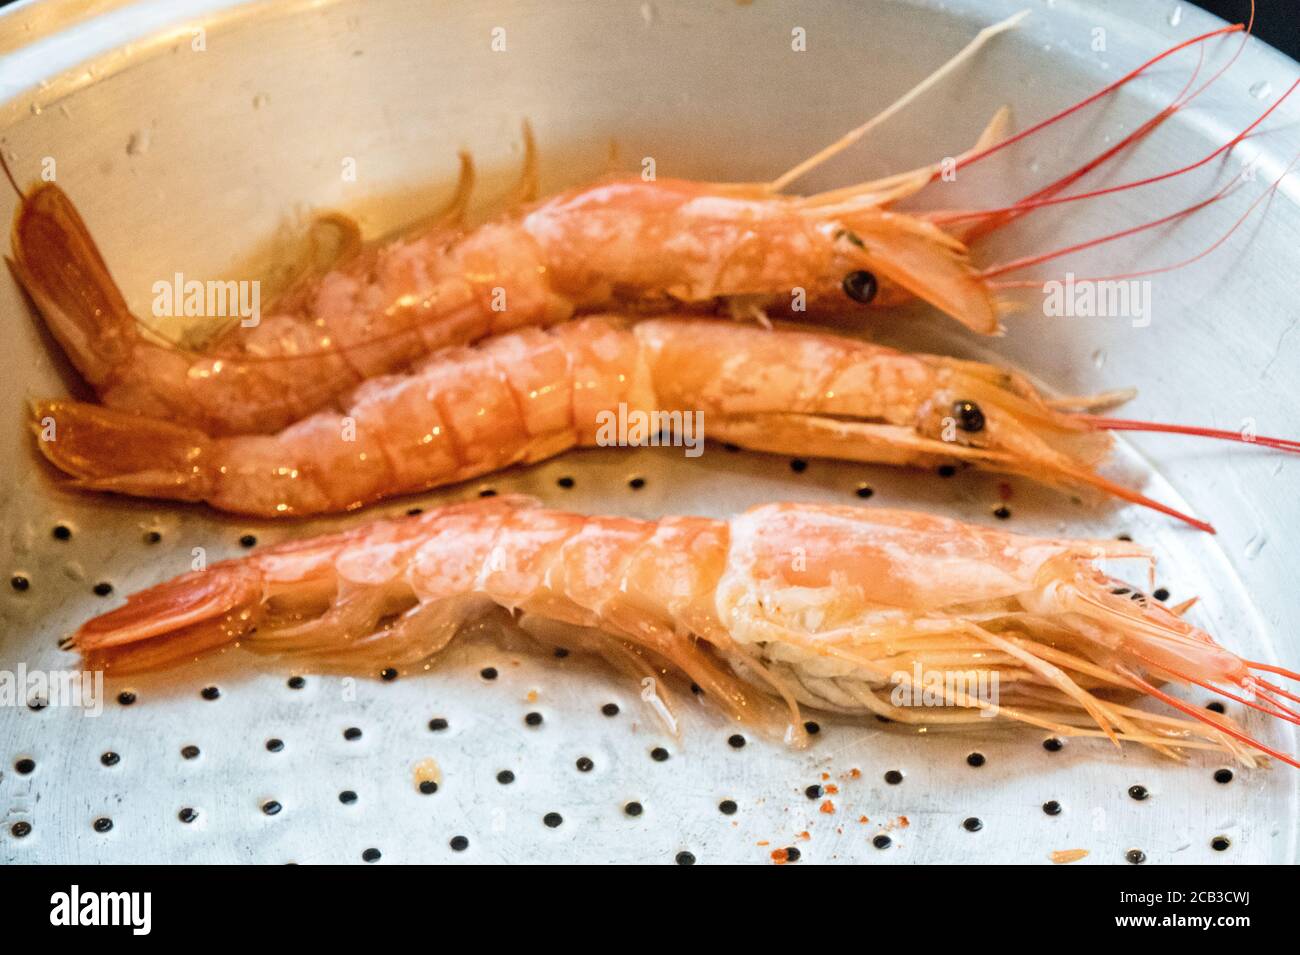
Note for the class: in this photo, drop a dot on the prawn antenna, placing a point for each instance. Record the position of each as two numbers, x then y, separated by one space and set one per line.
1270 668
1222 727
1015 264
991 219
1230 187
1038 201
1275 689
1125 424
851 137
1104 91
1115 489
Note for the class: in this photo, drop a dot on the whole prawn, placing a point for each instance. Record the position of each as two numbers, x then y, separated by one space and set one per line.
624 243
784 605
532 394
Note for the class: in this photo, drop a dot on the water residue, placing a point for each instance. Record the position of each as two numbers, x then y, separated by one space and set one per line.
138 143
1256 544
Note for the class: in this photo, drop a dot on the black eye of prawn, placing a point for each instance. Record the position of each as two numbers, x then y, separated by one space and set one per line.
969 416
860 286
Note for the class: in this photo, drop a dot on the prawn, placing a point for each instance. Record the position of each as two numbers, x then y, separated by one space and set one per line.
785 605
623 244
534 393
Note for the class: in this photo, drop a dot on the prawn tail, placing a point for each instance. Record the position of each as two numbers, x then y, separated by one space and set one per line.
56 260
107 450
173 622
1151 649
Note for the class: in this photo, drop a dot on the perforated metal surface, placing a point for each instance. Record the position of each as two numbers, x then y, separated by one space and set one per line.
175 206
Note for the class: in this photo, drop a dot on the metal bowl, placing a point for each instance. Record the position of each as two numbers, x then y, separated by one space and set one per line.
201 157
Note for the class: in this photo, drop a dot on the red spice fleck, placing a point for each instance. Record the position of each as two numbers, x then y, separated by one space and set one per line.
855 774
863 819
825 776
780 856
805 835
902 821
828 807
765 843
833 789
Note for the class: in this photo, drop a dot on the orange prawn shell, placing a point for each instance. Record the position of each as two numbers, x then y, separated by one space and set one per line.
891 559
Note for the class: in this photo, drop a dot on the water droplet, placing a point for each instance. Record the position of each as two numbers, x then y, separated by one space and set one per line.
648 13
138 144
260 100
1256 544
1261 89
1098 358
1176 15
36 109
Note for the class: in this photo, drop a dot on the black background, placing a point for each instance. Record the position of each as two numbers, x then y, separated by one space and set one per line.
1276 21
950 907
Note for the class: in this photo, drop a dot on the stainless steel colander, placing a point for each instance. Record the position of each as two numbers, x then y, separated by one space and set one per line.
198 161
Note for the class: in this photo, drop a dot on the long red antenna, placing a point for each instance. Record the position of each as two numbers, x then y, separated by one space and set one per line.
1158 270
1037 203
1128 77
1125 424
1273 709
1042 197
1022 263
1270 668
1276 689
1199 714
993 219
1092 479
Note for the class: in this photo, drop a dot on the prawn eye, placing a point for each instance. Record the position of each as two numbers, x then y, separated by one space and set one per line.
969 416
860 286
